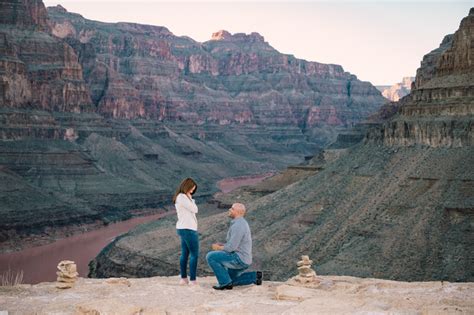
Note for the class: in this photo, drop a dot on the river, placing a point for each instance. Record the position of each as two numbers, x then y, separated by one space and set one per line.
228 184
39 263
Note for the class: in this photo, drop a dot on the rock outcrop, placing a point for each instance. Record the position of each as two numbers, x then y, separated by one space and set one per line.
37 70
439 110
30 14
163 295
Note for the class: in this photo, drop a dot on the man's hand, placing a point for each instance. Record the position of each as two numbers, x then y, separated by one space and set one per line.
217 246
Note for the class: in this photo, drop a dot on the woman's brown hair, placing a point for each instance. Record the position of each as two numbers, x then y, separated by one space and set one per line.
185 186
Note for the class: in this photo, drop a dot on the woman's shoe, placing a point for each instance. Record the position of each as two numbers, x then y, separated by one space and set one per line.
183 281
193 283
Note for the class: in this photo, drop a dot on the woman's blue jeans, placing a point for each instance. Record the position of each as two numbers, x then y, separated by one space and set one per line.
229 268
189 247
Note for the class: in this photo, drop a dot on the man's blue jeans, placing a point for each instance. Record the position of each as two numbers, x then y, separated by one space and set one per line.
189 247
229 268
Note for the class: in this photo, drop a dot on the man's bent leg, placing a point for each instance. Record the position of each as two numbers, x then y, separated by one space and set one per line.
218 260
245 278
235 273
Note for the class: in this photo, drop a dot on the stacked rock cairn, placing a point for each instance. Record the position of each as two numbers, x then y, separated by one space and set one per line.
67 274
306 274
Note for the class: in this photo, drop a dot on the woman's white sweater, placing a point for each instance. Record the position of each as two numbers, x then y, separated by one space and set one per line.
186 210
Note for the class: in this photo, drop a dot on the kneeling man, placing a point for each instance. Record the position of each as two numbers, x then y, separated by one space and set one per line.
230 260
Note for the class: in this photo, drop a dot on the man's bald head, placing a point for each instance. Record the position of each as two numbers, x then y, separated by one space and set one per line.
239 207
237 210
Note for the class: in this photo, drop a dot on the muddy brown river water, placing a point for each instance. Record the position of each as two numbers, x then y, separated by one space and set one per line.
39 263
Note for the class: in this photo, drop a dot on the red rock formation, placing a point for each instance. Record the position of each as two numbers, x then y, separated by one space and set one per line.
24 13
15 87
39 71
221 35
145 71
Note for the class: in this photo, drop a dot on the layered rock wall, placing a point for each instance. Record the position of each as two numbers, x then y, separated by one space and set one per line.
439 110
145 71
24 13
37 70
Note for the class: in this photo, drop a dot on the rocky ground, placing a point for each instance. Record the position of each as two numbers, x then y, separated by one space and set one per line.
163 295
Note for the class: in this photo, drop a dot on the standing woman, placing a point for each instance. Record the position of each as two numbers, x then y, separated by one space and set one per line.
186 227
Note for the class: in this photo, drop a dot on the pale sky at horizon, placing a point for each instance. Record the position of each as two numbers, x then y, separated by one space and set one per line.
379 41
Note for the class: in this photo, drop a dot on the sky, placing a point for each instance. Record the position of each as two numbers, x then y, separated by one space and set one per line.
378 41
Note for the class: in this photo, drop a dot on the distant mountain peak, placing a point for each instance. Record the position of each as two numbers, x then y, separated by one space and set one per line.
221 35
395 92
237 37
60 8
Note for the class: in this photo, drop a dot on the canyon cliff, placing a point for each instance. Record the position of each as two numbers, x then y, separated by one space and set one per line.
392 200
101 121
39 71
146 71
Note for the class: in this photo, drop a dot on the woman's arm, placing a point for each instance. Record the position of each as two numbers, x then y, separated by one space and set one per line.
186 203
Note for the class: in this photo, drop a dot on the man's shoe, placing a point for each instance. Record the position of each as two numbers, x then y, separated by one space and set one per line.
223 287
259 278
